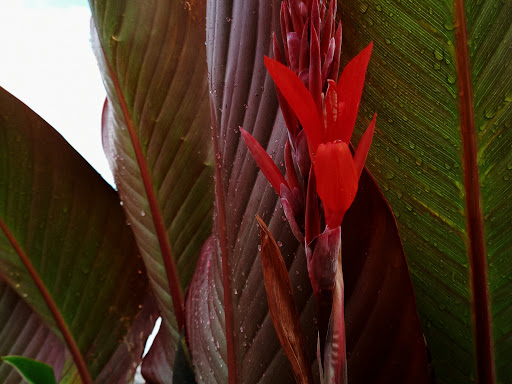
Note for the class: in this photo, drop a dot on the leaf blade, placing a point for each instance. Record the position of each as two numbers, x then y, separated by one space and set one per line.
35 372
414 84
283 310
152 51
45 188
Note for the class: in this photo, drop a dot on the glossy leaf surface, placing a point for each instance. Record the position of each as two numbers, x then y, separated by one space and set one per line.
35 372
238 36
155 135
67 221
443 112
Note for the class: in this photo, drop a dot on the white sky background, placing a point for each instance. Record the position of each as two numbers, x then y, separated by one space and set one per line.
47 62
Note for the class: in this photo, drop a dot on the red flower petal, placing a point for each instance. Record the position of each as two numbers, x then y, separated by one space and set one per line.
337 180
350 89
299 99
264 161
364 147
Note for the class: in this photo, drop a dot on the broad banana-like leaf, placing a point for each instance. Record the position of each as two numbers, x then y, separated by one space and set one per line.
156 135
230 330
65 253
441 81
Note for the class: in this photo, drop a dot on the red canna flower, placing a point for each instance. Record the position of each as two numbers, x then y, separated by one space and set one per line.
328 133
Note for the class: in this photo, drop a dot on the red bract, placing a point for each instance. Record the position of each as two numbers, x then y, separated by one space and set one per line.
328 134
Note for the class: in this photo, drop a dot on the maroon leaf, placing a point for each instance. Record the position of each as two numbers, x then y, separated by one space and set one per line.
29 338
283 310
66 251
382 325
158 363
155 135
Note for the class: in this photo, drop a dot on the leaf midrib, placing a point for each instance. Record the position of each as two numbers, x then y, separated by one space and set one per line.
160 230
474 219
52 306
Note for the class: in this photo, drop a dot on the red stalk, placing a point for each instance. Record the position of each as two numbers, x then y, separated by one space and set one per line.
158 221
52 306
475 228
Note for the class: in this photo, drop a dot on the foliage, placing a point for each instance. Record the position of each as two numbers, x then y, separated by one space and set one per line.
89 270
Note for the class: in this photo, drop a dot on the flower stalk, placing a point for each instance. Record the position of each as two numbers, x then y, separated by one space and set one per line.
322 174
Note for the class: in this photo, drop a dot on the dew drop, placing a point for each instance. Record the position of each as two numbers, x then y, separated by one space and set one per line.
142 213
489 113
363 8
438 54
448 26
279 244
389 175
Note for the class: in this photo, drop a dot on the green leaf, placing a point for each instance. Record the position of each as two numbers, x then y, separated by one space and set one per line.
442 155
156 135
35 372
64 242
